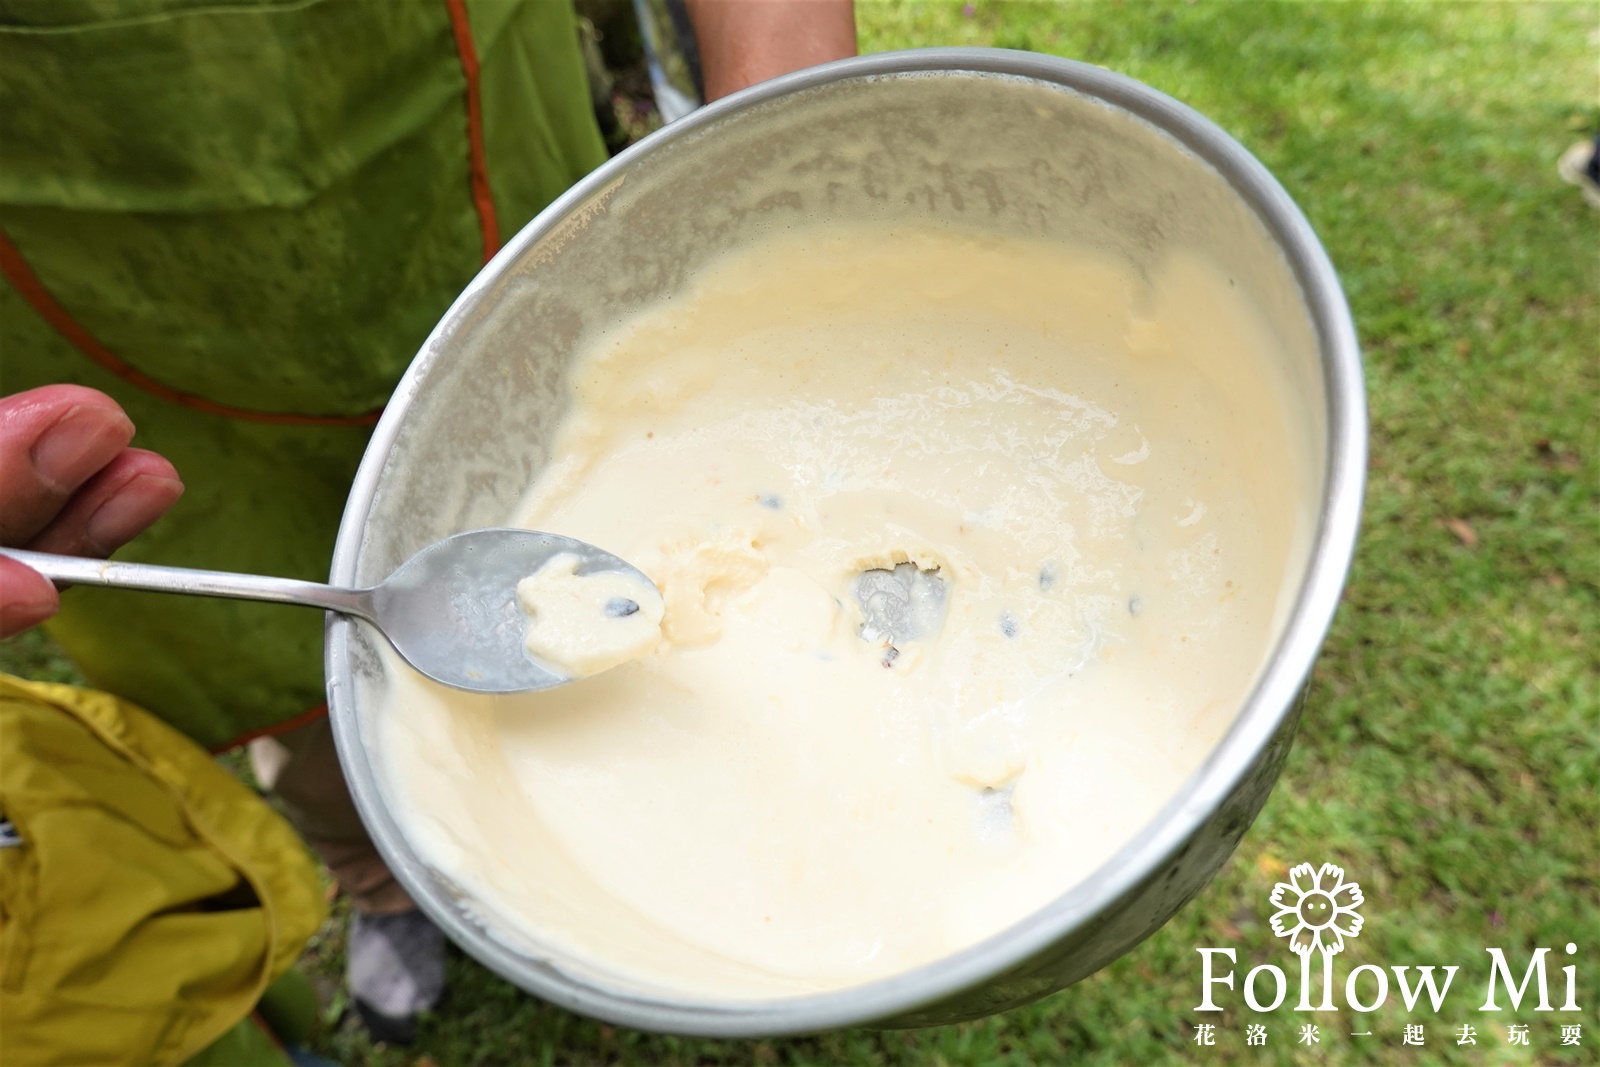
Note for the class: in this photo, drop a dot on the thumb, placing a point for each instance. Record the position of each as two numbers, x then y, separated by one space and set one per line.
27 597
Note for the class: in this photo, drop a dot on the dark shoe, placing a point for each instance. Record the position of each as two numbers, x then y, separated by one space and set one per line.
395 969
1580 166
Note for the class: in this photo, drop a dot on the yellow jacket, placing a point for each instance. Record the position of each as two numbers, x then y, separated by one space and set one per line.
152 898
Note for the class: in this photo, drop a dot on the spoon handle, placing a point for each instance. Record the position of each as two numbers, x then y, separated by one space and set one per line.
80 571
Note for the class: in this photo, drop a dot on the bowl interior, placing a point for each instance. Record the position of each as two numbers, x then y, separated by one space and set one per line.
470 426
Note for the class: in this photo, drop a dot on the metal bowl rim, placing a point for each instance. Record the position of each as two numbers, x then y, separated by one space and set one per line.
1263 712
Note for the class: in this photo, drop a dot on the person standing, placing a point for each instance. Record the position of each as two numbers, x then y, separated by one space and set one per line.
224 232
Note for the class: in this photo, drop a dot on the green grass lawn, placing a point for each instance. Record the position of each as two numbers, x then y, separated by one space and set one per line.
1450 749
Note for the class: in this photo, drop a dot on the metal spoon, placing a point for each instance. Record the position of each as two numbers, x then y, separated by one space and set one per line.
451 610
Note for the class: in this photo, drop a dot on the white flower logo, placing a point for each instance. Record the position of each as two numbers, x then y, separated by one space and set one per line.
1321 912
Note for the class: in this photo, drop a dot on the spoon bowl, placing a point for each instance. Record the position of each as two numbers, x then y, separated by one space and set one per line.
451 610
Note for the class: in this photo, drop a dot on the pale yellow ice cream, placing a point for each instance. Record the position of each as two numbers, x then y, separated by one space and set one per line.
1096 465
582 624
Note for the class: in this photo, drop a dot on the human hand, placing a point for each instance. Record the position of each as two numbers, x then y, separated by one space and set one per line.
747 41
69 484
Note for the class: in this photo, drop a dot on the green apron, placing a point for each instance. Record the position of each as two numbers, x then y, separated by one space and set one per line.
241 220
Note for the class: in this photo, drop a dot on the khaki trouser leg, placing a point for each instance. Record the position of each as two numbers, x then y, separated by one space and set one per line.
302 768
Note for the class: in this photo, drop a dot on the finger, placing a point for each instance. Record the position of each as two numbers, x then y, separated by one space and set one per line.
27 597
52 441
116 505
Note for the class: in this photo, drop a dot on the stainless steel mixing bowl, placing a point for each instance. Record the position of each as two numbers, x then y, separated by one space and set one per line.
1006 141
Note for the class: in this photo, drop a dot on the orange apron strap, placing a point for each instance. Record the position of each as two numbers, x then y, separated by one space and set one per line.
482 199
28 285
274 730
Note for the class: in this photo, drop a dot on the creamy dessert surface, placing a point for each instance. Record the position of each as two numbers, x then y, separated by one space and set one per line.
1092 467
585 623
